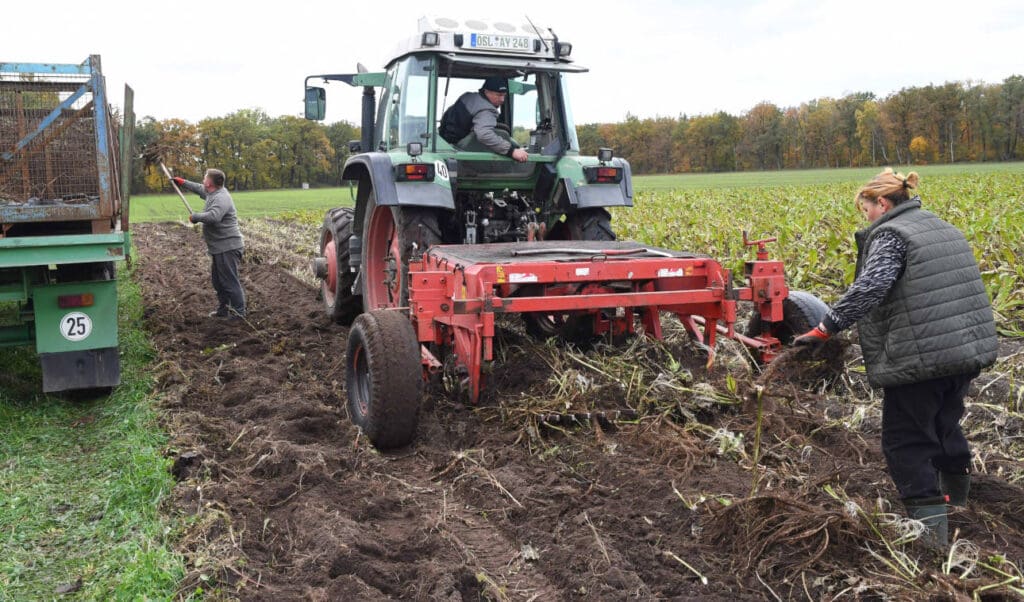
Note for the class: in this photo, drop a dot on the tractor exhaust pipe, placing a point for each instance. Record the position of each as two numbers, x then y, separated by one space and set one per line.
369 105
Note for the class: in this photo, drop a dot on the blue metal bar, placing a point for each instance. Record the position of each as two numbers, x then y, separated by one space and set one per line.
47 122
41 68
103 159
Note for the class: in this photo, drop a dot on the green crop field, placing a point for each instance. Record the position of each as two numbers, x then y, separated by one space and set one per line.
810 177
814 224
261 203
168 207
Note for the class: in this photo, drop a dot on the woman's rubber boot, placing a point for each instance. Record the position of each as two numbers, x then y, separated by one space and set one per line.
956 487
932 512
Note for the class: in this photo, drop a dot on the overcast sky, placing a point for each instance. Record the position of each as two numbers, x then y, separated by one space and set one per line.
192 59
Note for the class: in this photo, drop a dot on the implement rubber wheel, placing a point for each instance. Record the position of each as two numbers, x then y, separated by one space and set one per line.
801 311
578 328
384 377
336 289
391 236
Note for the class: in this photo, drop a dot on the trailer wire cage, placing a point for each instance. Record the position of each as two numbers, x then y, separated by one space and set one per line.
55 135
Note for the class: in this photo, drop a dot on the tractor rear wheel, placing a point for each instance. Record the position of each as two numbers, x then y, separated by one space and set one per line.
801 311
392 235
384 377
340 303
590 224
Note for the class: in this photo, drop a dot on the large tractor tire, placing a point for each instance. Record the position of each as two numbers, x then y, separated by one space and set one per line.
392 235
384 377
340 303
590 224
801 312
586 224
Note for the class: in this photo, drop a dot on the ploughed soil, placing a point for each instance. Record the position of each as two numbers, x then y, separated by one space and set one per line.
284 499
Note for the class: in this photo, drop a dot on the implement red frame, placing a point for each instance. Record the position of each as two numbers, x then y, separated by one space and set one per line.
456 291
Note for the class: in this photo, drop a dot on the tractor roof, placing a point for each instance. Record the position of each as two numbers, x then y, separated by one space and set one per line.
508 44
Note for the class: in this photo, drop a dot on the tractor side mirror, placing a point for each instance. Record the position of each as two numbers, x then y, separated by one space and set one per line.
316 103
355 147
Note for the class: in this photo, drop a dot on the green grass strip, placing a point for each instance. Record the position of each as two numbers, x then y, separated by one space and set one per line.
81 482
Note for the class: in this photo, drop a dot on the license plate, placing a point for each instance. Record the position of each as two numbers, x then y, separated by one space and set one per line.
485 41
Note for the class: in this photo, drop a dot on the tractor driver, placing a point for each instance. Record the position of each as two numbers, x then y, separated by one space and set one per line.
470 124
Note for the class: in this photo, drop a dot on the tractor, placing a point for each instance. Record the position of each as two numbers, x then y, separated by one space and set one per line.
442 238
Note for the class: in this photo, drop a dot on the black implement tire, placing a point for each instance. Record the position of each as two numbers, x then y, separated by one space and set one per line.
341 304
576 328
384 377
590 224
405 229
586 224
801 311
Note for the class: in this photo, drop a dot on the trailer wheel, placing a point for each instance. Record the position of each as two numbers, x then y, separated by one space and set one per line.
801 311
340 303
391 236
384 377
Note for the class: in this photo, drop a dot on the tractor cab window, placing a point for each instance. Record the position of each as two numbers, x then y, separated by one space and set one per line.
525 110
405 118
526 114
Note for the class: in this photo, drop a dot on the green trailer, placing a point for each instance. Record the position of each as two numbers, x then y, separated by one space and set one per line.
64 178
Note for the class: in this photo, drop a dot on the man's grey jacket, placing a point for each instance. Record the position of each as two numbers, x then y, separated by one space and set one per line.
219 219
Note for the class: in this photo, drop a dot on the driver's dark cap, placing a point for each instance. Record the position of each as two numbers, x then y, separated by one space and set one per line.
496 84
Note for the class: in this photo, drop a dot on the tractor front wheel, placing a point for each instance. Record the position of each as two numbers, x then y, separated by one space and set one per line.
384 377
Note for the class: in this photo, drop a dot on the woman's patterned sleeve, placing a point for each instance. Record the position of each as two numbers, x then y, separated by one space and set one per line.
885 261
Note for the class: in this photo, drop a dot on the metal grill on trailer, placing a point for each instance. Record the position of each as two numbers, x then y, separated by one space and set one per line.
57 145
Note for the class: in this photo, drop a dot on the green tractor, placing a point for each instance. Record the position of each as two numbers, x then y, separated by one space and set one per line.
414 189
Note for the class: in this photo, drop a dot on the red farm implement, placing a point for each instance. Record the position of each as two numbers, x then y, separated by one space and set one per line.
596 287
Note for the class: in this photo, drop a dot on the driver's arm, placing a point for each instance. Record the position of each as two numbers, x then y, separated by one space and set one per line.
484 122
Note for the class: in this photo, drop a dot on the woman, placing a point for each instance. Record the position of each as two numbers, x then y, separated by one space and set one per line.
926 330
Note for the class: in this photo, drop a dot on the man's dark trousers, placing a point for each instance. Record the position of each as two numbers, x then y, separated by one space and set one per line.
230 295
921 433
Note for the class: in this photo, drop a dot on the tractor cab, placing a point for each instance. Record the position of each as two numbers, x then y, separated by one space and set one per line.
447 58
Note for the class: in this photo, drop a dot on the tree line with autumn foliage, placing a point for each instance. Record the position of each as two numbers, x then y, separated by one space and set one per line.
256 151
949 123
954 122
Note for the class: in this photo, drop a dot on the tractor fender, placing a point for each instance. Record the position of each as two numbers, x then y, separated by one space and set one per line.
585 196
376 170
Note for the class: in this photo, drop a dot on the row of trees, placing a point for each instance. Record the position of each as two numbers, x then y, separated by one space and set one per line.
931 124
254 150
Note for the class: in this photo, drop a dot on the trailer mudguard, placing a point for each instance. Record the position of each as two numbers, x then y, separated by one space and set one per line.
377 169
88 369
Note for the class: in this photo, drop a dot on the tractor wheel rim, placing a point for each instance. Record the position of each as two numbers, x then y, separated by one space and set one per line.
330 284
362 381
383 260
